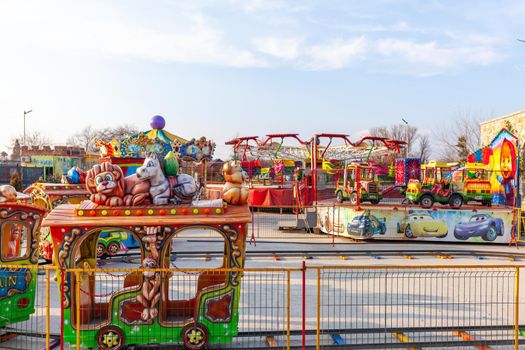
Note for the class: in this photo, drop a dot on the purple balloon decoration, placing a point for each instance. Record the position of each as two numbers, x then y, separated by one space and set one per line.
157 122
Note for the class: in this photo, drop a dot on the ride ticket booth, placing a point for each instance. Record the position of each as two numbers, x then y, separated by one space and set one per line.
144 310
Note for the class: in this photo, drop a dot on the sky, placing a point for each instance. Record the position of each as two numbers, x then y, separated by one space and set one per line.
251 67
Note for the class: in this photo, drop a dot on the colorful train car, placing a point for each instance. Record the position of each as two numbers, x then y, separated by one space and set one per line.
149 307
19 235
210 316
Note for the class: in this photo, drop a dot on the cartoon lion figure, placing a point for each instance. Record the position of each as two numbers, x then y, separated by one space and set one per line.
106 184
233 192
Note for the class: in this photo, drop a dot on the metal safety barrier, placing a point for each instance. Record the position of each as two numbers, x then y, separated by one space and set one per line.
351 307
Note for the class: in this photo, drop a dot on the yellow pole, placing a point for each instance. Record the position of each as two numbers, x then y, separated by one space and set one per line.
517 309
519 224
48 328
288 312
318 335
77 305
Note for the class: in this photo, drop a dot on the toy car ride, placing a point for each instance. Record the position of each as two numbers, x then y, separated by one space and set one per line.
358 180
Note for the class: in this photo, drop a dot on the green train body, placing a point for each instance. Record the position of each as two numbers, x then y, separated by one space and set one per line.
19 234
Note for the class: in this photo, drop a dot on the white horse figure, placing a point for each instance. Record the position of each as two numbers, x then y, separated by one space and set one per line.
181 189
153 170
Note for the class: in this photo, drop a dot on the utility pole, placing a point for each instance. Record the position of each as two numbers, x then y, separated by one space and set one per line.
26 113
406 136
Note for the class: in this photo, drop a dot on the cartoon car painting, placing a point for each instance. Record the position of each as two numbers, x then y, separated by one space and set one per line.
422 225
109 243
366 225
480 225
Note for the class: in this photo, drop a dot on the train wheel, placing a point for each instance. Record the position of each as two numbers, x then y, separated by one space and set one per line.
101 250
110 338
195 336
113 248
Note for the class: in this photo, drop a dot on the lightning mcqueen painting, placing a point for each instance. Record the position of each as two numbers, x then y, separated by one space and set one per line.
480 225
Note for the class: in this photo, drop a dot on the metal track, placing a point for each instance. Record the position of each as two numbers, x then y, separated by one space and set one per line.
348 253
296 334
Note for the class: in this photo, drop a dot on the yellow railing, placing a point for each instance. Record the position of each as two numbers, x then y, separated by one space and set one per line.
341 301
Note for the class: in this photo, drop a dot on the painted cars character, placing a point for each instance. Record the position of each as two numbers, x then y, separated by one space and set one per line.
366 225
422 225
480 225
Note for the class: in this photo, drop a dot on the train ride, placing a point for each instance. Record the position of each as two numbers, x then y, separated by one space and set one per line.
19 234
154 208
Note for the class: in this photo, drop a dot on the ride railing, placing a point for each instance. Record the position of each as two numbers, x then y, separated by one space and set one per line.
321 307
29 307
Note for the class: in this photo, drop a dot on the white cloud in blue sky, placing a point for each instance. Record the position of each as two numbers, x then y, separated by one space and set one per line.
260 65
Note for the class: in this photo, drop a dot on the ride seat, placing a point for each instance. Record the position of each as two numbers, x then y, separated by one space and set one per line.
179 310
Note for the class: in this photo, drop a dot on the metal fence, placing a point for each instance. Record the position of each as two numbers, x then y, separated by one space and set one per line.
309 307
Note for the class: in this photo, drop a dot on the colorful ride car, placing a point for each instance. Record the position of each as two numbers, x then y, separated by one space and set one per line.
366 225
422 225
19 235
358 181
445 184
436 187
480 225
474 184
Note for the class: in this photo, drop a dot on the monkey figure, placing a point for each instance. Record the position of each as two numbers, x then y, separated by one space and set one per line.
151 241
150 290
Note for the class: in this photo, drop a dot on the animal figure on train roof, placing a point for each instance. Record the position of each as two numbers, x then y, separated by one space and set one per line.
7 193
233 191
179 189
108 186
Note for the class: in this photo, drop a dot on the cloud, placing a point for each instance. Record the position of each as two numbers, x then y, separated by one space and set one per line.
203 34
433 54
336 54
283 48
188 37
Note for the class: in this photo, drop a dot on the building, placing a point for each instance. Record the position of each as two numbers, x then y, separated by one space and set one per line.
53 161
490 128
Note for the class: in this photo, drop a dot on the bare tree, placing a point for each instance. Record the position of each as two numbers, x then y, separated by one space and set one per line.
459 137
423 150
34 139
87 137
118 133
407 133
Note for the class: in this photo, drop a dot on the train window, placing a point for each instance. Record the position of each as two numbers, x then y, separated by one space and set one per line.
14 240
106 250
190 249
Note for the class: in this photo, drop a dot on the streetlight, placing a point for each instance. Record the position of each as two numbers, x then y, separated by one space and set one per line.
406 136
26 113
